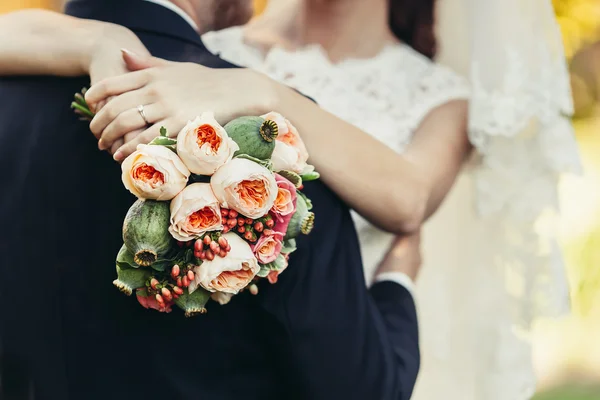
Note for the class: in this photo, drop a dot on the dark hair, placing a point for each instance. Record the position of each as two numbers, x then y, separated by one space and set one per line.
412 21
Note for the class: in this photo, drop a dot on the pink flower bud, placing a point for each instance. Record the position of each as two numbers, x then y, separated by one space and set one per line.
178 291
210 255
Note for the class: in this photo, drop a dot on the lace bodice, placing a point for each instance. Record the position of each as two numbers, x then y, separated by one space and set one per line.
386 96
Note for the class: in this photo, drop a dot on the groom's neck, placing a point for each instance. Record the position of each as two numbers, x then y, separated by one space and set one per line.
190 8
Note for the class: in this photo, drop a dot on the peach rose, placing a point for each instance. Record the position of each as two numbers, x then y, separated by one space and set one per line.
204 145
194 212
229 274
245 186
285 202
154 172
268 247
290 152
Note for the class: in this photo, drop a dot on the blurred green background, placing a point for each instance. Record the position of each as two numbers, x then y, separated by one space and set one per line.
566 351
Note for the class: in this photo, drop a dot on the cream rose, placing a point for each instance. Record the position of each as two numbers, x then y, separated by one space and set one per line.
229 274
290 152
194 212
245 186
204 145
154 172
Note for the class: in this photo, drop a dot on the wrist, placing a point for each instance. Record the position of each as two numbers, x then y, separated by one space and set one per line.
90 34
271 94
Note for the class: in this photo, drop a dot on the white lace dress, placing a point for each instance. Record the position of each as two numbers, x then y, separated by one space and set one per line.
469 350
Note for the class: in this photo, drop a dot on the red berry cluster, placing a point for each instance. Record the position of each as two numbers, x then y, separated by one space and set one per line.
250 229
207 248
167 291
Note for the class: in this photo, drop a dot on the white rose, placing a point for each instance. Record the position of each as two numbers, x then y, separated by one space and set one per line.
154 172
204 145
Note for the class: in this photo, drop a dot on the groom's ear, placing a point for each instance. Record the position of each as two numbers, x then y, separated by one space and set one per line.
136 62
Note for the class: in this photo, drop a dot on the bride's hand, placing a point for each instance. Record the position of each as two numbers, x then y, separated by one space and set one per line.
172 94
404 255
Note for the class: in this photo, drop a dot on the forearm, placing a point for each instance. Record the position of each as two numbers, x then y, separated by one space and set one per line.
380 184
438 151
43 42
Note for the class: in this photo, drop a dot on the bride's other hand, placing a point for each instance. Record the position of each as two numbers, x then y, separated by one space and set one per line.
171 94
403 256
104 58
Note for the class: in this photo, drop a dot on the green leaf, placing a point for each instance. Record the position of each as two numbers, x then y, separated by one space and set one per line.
291 176
310 176
264 270
83 110
279 263
276 265
289 246
308 202
265 163
163 131
162 264
163 141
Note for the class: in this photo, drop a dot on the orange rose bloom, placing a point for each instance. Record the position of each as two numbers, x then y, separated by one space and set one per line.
245 186
204 145
154 172
194 212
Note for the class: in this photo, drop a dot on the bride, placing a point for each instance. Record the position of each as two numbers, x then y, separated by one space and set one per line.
381 78
489 268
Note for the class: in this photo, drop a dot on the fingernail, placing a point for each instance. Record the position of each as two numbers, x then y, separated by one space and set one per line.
118 156
101 144
131 53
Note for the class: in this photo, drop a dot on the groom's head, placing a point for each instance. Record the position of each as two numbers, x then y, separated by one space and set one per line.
212 15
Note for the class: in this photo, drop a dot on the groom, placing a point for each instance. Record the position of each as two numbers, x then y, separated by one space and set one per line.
66 333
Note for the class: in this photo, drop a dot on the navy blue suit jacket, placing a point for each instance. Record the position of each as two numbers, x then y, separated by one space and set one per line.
67 333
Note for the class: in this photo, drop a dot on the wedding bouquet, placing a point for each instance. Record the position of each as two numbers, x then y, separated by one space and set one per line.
218 208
